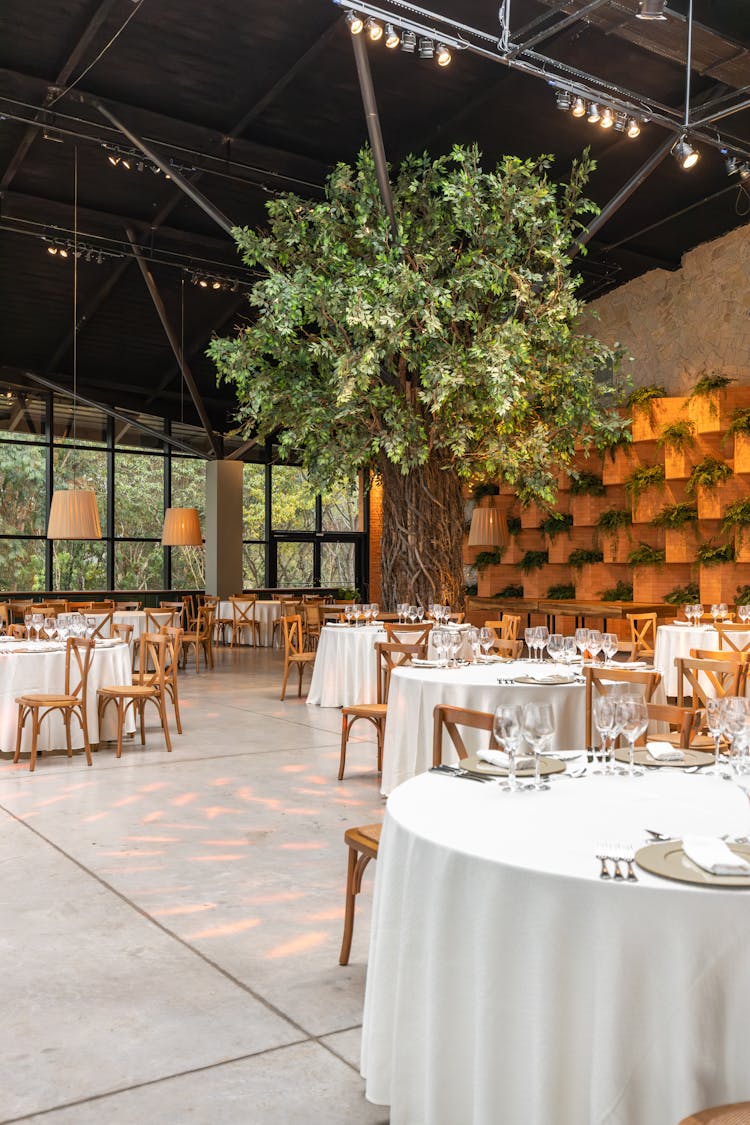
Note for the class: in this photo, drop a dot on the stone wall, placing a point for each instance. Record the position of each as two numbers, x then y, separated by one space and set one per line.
678 325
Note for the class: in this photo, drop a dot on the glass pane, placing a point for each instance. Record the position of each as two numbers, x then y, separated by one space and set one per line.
21 414
131 438
139 494
22 489
295 564
88 426
83 468
341 509
337 565
139 566
79 565
189 485
22 564
254 501
292 502
188 568
253 565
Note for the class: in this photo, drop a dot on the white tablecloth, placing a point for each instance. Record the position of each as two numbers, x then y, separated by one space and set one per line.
43 670
415 692
136 618
265 614
677 640
345 671
508 985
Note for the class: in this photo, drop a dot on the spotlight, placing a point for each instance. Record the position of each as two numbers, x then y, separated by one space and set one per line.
442 55
579 107
216 285
563 100
409 42
621 120
426 48
140 166
355 22
63 252
744 173
685 154
634 129
651 10
125 163
608 118
593 115
235 287
114 160
51 249
203 283
731 165
374 29
392 38
99 258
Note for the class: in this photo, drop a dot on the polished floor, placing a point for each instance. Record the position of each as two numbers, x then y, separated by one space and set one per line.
170 923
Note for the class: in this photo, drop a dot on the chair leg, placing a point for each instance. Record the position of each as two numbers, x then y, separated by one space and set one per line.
380 729
142 716
85 730
286 677
176 705
344 740
19 731
120 722
346 941
162 705
34 739
68 743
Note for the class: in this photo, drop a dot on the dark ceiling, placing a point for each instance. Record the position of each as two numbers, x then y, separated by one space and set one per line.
252 98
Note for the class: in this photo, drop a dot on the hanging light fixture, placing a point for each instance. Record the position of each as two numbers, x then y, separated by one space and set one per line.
409 42
593 115
634 129
563 99
392 38
489 526
684 153
579 107
354 22
651 10
374 29
426 47
442 55
608 118
182 528
73 513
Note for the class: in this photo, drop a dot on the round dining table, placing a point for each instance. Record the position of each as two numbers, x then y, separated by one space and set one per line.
677 640
27 666
508 983
345 669
266 613
415 691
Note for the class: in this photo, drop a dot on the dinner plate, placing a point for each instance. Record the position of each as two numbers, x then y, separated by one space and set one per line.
546 681
643 758
669 860
485 769
417 663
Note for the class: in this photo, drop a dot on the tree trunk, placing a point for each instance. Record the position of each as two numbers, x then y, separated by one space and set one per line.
422 537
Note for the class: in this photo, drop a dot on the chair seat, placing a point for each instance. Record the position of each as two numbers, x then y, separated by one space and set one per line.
123 691
736 1114
302 657
366 710
32 699
365 836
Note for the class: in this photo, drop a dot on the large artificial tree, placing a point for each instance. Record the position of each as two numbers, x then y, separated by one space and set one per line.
446 354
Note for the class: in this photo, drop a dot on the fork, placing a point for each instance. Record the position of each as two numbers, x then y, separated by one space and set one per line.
614 855
603 857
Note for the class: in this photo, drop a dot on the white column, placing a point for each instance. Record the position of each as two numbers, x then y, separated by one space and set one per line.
223 528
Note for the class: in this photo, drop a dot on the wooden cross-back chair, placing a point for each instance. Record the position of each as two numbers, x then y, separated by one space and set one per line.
103 627
506 628
122 632
79 607
734 638
129 607
295 653
512 649
604 681
413 633
363 843
312 615
701 680
683 723
244 610
642 634
71 702
178 608
17 632
388 655
447 719
289 607
174 634
150 688
734 1113
200 638
18 610
4 616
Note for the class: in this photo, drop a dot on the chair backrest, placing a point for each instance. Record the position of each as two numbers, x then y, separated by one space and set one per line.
128 607
734 638
153 656
79 607
173 633
457 618
291 607
513 649
155 619
313 611
682 719
78 653
189 602
448 719
394 654
642 633
604 681
18 610
243 611
293 643
102 607
103 628
46 610
416 633
718 654
705 679
4 615
53 605
123 632
506 629
18 632
204 622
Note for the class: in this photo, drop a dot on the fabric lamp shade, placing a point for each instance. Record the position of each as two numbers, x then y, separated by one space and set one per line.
489 527
182 528
73 514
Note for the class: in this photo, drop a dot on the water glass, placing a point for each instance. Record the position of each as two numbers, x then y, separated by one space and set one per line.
538 726
454 644
743 612
530 637
715 610
420 614
582 641
605 715
715 724
594 643
439 640
348 614
472 639
569 650
555 646
485 640
609 645
28 621
542 636
632 719
508 731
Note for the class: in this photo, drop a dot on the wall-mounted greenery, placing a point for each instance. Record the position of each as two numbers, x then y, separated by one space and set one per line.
640 480
514 525
712 554
707 474
555 524
533 560
709 382
613 520
616 440
643 398
565 592
679 436
674 516
510 592
488 558
645 555
582 556
737 518
586 484
622 592
684 595
742 597
739 423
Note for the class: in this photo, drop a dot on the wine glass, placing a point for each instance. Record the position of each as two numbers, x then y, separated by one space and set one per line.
50 627
569 650
609 646
723 611
538 727
437 638
28 620
420 614
348 614
454 644
582 641
605 713
472 640
38 622
743 612
632 718
508 731
595 643
542 636
485 640
555 646
529 637
715 610
715 724
374 611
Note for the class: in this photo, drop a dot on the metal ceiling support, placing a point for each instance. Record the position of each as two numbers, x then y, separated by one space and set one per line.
60 389
189 189
622 196
100 296
100 14
561 25
174 343
373 128
238 452
720 114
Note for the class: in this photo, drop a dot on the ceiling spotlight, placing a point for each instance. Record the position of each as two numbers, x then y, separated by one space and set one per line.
685 155
651 10
235 286
579 107
442 55
563 100
392 38
621 120
744 171
114 160
216 285
63 252
608 118
203 283
594 115
355 22
125 163
99 258
634 129
51 249
426 48
409 42
374 29
731 165
140 166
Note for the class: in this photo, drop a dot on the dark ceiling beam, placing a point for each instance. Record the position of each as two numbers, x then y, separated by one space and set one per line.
241 450
100 14
720 114
90 310
556 28
374 131
187 374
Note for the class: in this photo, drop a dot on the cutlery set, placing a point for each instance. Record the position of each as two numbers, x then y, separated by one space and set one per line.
617 854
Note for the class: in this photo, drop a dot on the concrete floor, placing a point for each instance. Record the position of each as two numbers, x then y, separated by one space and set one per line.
170 923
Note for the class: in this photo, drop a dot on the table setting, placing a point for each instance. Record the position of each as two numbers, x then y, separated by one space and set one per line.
345 669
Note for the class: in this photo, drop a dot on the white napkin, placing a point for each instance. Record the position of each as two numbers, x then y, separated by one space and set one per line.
665 752
544 675
714 856
500 758
418 663
680 621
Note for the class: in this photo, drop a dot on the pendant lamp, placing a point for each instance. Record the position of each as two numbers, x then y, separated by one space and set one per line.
489 526
182 528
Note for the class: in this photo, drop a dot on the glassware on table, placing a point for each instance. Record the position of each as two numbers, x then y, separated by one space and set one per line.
632 719
374 611
420 614
485 640
715 611
37 620
715 724
530 637
50 627
472 640
454 646
348 614
440 644
604 711
595 643
508 732
610 644
582 641
723 611
569 650
356 610
28 621
743 612
734 710
542 636
555 646
538 725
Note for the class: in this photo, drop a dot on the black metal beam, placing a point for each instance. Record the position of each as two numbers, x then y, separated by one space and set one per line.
561 25
187 374
373 127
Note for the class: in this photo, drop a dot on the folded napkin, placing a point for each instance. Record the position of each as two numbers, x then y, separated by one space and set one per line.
679 621
714 856
665 752
500 758
418 663
545 675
